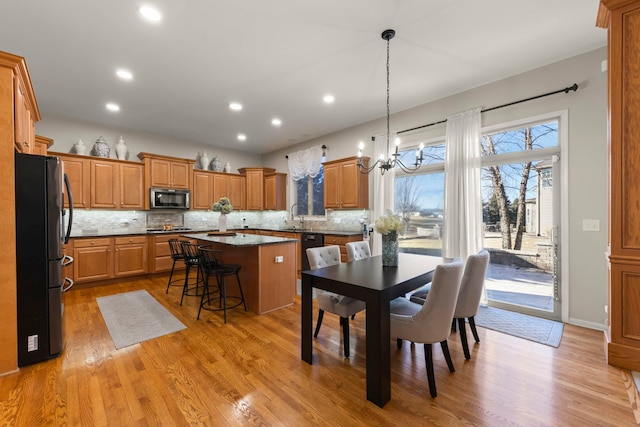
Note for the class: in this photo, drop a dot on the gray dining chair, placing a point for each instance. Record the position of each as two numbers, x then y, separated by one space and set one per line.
358 250
431 322
344 307
475 270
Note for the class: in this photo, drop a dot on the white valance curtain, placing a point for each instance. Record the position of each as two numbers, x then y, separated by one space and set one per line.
463 192
305 163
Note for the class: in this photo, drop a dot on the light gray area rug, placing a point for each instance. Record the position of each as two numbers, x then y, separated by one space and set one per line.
531 328
133 317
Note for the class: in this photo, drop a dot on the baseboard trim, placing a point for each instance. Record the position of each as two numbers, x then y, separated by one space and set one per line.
586 324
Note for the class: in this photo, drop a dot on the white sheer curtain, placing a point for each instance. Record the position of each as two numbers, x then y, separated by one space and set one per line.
463 192
305 163
383 188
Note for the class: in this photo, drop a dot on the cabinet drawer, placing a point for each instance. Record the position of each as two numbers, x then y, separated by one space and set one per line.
331 239
87 243
130 240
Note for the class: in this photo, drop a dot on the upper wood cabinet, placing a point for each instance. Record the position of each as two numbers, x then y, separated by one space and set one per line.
622 18
165 172
255 186
209 187
13 69
42 145
104 183
275 187
26 115
344 186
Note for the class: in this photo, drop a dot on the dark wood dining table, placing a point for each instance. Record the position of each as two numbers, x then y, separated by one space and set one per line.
367 280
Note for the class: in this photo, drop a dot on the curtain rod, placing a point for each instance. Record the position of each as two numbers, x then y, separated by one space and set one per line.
324 147
573 88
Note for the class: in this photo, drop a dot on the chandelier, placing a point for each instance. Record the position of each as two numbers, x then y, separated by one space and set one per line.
394 160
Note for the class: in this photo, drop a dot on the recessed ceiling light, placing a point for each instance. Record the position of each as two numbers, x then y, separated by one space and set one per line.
111 106
242 137
124 74
328 99
276 122
235 106
150 13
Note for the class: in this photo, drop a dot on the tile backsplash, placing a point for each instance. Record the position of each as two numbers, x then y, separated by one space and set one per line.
102 221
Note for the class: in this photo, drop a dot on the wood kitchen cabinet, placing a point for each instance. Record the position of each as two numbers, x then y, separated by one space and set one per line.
104 183
130 256
622 337
159 254
258 182
275 187
42 144
255 186
341 241
92 259
209 187
26 115
165 172
77 169
102 258
13 70
345 187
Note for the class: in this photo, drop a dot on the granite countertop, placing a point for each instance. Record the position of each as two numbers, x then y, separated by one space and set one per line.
125 232
239 239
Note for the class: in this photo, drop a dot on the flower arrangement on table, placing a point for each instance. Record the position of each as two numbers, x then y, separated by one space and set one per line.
223 206
390 223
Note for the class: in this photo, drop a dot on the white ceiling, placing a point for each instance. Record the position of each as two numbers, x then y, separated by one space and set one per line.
278 58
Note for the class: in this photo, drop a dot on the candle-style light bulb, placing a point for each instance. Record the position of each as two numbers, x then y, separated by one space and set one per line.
397 141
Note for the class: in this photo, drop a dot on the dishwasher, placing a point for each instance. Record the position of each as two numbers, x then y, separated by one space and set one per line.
310 240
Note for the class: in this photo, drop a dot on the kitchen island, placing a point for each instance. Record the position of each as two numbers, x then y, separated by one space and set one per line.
268 273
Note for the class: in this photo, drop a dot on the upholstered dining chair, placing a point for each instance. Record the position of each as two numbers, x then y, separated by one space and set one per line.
431 322
358 250
344 307
469 296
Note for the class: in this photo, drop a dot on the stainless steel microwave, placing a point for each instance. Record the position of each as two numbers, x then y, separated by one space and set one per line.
168 198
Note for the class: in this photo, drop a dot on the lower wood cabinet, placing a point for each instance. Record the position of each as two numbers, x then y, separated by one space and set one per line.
334 239
160 257
109 257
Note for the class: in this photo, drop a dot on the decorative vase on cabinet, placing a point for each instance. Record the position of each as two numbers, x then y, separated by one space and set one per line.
204 161
101 148
121 149
216 164
79 147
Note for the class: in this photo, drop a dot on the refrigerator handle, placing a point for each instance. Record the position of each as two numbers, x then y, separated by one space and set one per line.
66 260
69 281
70 197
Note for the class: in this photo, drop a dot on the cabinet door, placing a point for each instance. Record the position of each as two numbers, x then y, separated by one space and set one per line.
131 186
349 179
237 188
202 195
104 184
221 188
92 260
160 173
77 171
331 186
130 256
179 175
255 190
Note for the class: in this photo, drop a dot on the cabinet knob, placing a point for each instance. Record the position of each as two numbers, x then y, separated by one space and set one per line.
93 243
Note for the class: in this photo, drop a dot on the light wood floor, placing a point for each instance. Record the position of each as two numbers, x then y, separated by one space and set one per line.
249 372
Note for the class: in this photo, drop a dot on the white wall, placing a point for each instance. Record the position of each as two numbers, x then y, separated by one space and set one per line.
66 131
587 156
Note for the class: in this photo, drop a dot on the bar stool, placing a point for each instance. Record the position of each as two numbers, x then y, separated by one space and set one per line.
191 259
212 265
175 246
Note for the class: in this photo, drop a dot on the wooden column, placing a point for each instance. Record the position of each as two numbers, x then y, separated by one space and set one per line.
622 18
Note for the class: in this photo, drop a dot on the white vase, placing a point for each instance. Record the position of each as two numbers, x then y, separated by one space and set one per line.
204 161
227 167
101 148
79 147
222 222
121 149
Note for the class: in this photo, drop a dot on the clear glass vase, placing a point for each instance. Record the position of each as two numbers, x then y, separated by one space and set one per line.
222 222
390 249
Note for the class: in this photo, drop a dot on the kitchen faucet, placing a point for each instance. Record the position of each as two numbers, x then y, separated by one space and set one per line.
292 206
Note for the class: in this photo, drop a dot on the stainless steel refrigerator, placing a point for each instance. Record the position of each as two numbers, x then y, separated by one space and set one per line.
42 226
